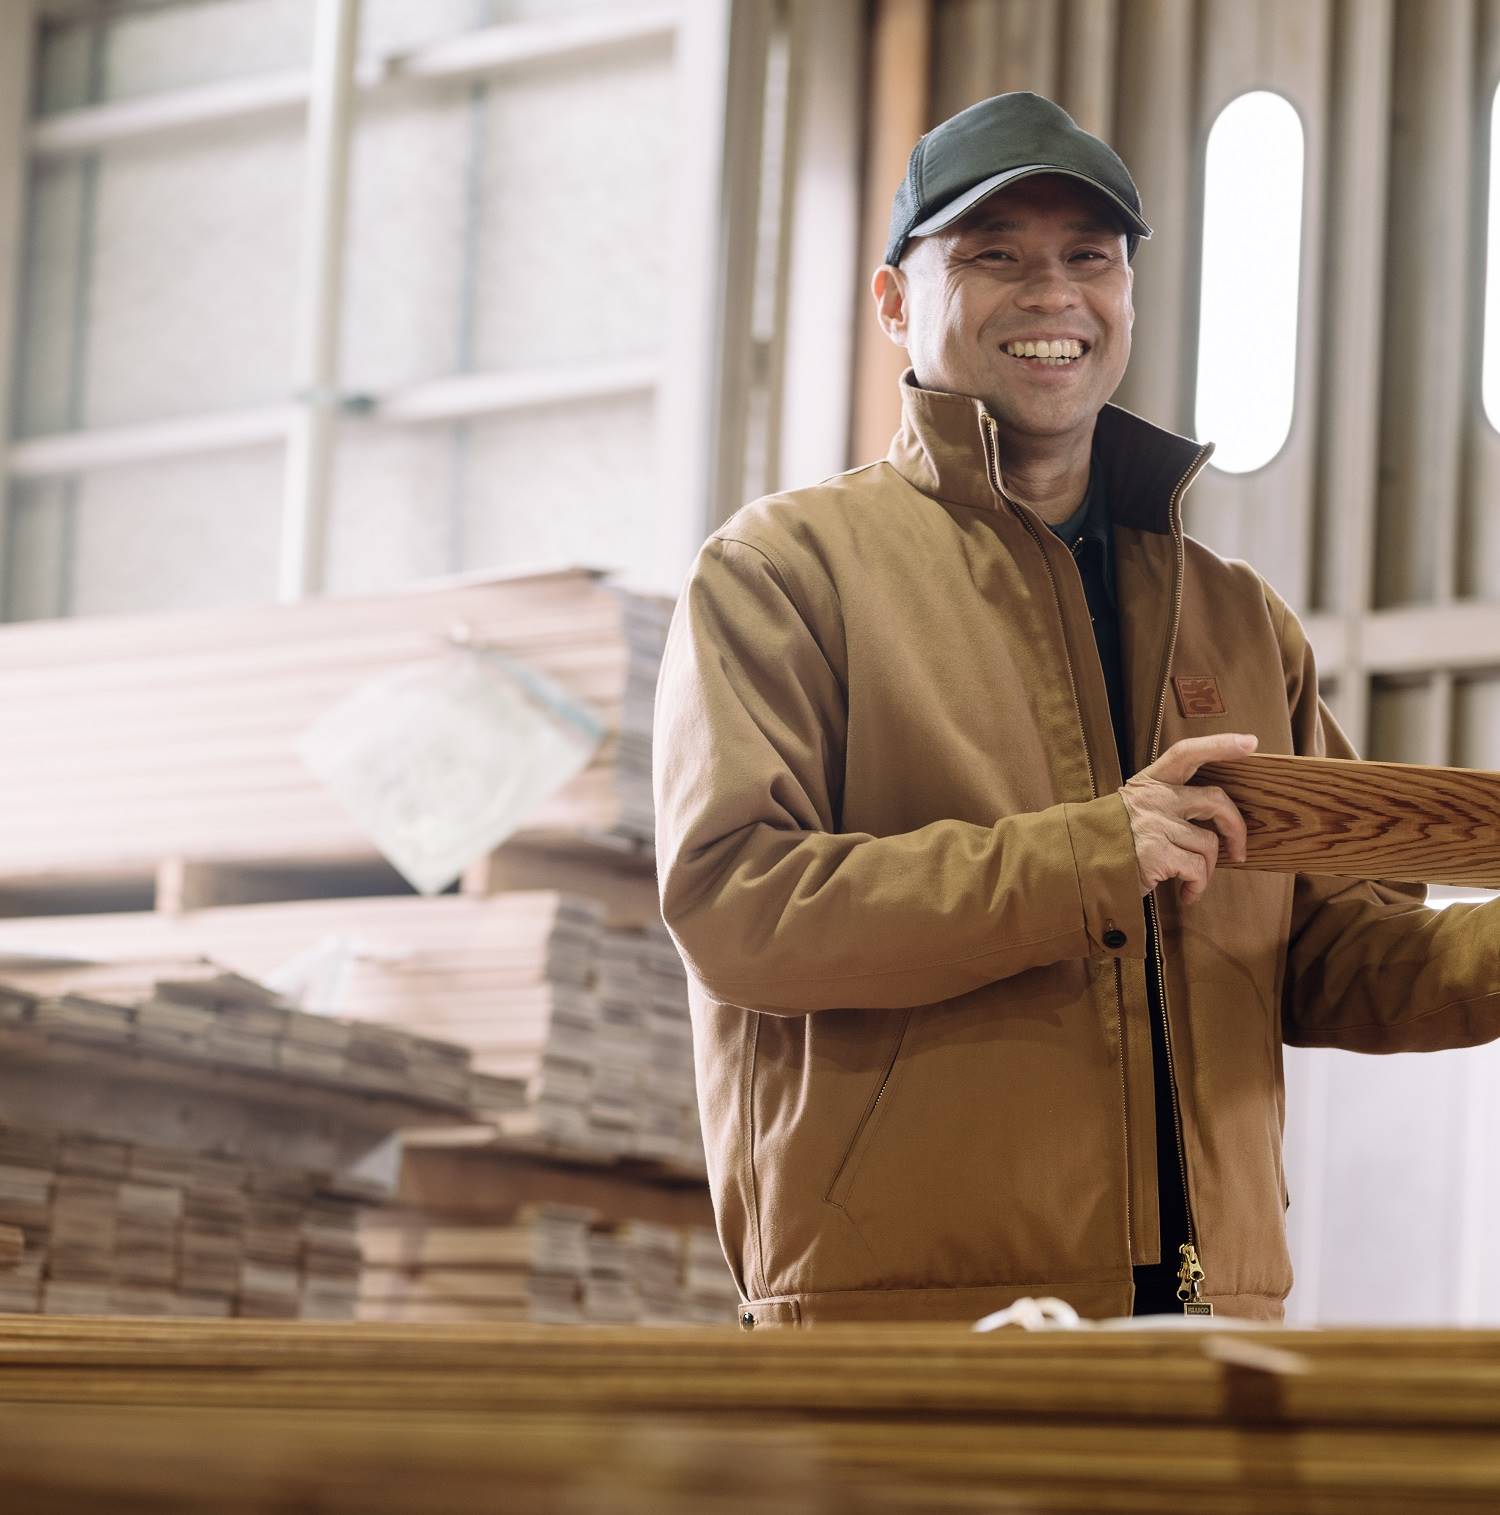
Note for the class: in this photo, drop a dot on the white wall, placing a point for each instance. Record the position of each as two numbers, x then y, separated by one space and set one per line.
526 222
1392 1184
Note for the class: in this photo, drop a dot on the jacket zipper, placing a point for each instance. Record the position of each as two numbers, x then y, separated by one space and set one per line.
1190 1269
991 461
1190 1273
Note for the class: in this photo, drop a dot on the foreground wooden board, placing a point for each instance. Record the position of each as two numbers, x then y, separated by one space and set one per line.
175 1417
1398 821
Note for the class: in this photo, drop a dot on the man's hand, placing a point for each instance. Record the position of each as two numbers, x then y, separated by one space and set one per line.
1163 809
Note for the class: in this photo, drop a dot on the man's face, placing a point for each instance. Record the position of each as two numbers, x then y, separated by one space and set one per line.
1043 259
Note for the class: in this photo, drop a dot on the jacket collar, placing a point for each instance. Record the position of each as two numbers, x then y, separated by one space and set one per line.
941 450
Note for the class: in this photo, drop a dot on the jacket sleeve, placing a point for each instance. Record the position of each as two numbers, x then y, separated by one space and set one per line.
1370 968
774 909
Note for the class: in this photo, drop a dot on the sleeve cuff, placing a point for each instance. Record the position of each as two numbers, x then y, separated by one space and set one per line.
1109 882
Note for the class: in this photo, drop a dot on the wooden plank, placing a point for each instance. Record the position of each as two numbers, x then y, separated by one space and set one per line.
1401 821
92 1460
539 985
1154 134
175 736
1350 326
989 47
1429 308
896 114
631 896
1087 84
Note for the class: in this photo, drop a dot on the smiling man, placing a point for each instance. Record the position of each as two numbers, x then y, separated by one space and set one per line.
975 1014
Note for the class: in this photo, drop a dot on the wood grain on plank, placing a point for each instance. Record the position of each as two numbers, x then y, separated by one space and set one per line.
248 1416
1399 821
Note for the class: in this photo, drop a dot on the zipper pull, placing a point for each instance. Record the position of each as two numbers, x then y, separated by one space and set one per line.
1190 1282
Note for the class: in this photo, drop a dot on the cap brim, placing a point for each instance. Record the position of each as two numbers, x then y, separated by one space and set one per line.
971 197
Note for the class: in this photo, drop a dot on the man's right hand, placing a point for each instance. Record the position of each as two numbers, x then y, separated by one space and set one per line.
1165 810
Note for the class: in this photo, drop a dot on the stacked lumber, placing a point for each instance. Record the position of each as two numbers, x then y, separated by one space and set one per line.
114 1227
374 1418
205 710
192 1010
178 1140
585 1023
544 1262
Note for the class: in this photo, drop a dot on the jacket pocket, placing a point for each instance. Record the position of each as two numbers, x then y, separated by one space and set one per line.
869 1123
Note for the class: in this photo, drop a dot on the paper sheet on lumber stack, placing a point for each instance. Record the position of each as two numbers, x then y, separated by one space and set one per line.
205 712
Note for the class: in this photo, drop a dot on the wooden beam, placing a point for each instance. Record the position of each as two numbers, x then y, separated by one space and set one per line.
1422 637
1429 309
1155 123
1401 821
1349 383
897 114
1086 88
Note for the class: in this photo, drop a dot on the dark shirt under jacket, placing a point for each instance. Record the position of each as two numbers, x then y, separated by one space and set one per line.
1089 534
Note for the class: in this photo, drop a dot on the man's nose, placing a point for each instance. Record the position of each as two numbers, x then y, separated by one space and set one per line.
1047 289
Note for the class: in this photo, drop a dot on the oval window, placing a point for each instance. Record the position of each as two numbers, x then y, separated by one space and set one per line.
1252 248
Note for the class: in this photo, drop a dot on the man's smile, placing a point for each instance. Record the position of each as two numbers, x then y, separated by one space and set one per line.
1058 352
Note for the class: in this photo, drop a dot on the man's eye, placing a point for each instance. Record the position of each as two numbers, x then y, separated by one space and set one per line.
994 252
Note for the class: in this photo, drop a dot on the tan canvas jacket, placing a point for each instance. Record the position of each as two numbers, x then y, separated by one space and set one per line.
892 855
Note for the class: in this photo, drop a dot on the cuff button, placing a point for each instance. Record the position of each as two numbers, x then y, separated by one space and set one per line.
1114 938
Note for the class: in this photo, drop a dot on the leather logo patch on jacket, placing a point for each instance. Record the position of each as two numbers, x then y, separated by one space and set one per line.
1198 695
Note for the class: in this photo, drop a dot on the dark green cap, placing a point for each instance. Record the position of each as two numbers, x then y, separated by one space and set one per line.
980 150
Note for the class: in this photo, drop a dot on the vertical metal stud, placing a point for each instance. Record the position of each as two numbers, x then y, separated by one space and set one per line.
311 437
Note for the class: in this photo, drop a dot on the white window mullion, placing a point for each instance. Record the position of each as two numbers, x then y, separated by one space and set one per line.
689 398
17 38
309 453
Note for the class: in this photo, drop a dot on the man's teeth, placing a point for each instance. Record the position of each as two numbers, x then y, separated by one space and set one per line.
1061 351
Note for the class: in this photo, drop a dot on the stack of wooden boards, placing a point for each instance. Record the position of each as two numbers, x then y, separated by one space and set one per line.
588 1020
544 1262
389 1420
124 1228
201 715
178 1141
191 1010
488 1234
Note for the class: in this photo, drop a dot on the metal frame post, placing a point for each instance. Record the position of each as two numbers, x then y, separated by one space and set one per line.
310 441
17 45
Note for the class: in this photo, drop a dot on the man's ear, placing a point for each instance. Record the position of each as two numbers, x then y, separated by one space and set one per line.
889 288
